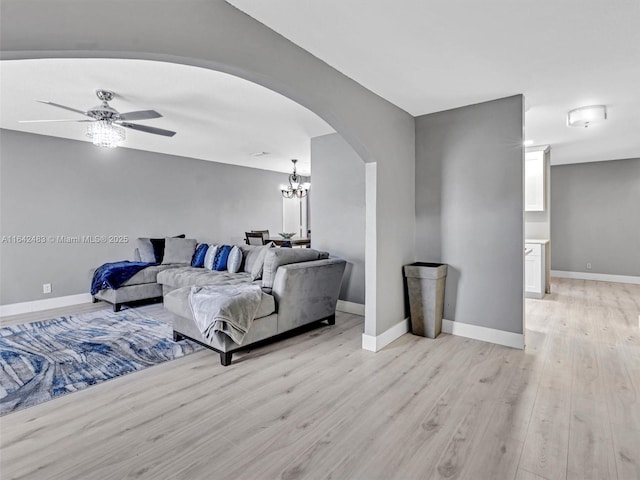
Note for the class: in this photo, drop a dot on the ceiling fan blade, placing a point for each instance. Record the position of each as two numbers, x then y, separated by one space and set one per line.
140 115
62 106
52 121
145 128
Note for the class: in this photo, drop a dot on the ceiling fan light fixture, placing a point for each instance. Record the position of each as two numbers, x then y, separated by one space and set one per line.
107 125
585 116
104 133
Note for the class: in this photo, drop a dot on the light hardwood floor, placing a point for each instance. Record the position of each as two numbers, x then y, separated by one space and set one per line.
319 407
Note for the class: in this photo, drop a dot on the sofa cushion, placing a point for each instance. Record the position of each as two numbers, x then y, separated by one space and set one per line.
177 302
158 247
147 275
145 250
256 269
244 250
234 262
251 253
187 276
199 254
284 256
210 257
220 260
178 250
131 293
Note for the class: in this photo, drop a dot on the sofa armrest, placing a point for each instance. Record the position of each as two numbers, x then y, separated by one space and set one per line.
306 292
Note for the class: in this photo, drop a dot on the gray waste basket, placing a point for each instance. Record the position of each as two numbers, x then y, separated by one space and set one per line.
425 283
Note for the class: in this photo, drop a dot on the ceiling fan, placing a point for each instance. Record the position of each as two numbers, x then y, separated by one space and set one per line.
105 119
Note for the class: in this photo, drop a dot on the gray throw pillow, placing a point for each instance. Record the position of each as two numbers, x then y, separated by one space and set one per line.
258 264
145 250
250 253
276 257
179 250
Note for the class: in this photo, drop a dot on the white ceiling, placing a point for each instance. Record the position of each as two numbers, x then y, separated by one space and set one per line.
217 116
431 55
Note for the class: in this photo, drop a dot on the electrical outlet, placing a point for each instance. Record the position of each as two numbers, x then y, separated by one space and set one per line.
588 265
46 288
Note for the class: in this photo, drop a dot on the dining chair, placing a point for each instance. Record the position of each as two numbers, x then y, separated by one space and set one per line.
265 235
254 238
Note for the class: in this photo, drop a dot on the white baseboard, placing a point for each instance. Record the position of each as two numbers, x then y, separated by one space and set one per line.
46 304
601 277
350 307
508 339
378 342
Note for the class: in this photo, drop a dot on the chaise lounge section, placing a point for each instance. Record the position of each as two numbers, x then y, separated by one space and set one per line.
143 286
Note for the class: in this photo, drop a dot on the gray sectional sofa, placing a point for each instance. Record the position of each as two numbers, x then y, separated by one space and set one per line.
299 287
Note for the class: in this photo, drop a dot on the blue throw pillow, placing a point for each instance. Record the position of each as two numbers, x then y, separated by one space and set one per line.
222 255
198 256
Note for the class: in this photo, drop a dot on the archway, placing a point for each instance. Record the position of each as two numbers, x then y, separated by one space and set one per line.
214 35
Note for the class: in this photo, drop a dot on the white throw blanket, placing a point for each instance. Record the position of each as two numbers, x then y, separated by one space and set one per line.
229 309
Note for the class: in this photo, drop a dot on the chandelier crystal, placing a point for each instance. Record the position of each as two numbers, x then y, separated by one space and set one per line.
296 188
103 133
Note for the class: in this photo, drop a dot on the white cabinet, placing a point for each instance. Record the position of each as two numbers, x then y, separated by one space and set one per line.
534 181
535 269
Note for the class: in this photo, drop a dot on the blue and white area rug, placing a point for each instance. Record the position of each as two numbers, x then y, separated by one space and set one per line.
43 360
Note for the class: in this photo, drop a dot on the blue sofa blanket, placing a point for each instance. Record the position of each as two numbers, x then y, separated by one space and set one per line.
113 275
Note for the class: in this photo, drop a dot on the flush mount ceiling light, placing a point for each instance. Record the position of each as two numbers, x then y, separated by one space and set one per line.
585 116
296 188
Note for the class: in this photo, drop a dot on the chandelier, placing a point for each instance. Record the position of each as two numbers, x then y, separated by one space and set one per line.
103 133
296 188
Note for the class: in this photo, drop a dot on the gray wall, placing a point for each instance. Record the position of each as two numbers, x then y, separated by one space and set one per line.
52 186
213 34
596 217
339 208
469 209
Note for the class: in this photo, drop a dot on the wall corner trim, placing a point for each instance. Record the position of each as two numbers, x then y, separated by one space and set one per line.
46 304
378 342
600 277
350 307
490 335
